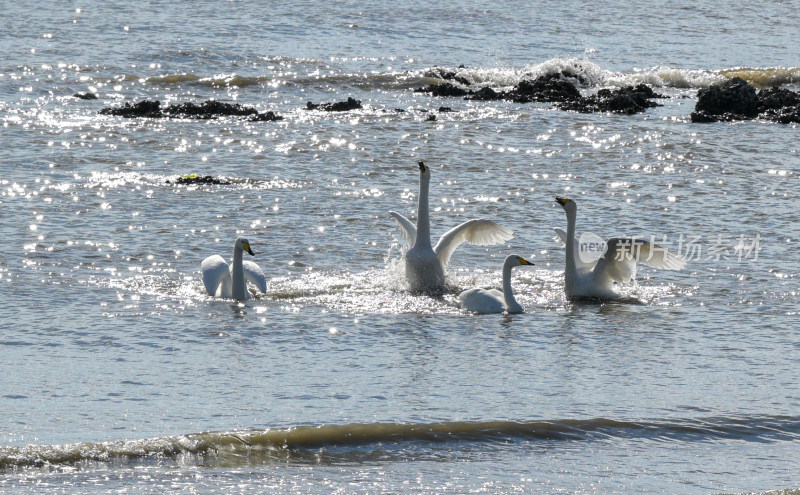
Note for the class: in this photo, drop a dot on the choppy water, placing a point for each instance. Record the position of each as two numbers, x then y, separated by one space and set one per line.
120 374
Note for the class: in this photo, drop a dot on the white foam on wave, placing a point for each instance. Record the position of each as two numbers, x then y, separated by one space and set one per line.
590 74
583 71
667 77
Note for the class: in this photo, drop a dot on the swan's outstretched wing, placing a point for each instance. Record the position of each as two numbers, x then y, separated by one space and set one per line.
479 232
622 253
408 228
646 252
582 265
254 274
215 271
561 233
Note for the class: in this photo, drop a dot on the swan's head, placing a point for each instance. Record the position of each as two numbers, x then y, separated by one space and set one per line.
243 244
424 170
569 205
514 260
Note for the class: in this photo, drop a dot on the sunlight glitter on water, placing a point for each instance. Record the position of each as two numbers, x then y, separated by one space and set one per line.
110 336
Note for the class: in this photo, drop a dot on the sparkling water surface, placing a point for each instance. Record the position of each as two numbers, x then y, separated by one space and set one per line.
109 343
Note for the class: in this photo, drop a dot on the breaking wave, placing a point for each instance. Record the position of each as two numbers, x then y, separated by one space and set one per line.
296 442
589 74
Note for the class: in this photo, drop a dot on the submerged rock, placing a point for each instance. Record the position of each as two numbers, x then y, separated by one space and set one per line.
144 108
736 99
209 109
486 94
445 89
627 100
85 96
268 116
198 179
554 88
341 106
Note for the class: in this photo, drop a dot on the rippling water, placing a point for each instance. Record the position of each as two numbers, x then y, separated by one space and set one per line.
120 373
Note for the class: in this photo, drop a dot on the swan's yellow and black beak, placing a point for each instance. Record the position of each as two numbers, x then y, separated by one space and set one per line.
422 167
523 261
562 201
246 247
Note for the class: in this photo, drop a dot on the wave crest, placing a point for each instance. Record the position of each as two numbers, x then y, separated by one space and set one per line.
280 442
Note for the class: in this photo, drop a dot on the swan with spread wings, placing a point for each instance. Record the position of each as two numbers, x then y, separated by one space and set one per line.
595 279
425 264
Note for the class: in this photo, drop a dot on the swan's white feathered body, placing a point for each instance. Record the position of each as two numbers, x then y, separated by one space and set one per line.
230 281
595 279
426 265
492 300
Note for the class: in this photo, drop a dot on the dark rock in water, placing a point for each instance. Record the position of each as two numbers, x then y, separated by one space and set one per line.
779 105
549 88
777 99
210 109
268 116
144 108
646 91
555 89
703 118
788 115
448 89
445 109
207 110
198 179
85 96
340 106
445 89
627 100
734 99
486 94
431 118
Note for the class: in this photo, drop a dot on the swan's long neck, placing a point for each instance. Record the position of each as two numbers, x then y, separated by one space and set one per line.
423 214
508 294
570 269
239 288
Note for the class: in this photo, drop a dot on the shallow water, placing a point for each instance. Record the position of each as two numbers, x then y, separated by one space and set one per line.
120 373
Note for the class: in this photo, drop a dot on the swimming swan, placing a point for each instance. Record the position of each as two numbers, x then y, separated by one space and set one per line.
492 300
618 263
425 266
231 282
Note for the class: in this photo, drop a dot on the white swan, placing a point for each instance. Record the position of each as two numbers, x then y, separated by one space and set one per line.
492 300
425 265
617 264
231 282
